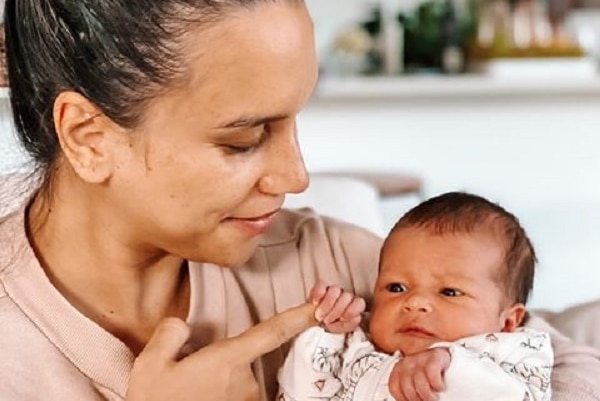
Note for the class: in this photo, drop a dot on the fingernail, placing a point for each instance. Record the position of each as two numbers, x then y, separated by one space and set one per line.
319 315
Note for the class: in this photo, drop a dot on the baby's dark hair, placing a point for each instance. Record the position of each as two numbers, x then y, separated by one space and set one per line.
464 213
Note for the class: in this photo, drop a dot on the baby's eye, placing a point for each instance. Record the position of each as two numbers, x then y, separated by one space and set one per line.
451 292
396 287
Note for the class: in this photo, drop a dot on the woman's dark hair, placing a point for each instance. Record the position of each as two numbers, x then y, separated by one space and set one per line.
463 213
119 54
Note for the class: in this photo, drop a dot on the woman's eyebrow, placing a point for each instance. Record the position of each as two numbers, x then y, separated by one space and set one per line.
243 122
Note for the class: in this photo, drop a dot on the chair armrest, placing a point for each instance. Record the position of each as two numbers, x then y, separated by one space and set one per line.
387 184
580 322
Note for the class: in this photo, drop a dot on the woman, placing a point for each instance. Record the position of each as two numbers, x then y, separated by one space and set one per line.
165 134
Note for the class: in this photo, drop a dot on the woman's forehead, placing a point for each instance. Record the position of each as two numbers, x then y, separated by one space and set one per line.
260 64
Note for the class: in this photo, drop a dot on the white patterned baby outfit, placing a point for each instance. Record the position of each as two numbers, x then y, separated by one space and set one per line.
492 367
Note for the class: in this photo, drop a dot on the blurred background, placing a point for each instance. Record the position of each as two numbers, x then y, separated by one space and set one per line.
496 97
374 37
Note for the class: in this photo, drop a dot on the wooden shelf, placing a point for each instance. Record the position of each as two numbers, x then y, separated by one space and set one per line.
341 89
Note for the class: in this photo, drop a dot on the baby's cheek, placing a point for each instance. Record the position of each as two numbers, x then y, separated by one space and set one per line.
464 326
379 333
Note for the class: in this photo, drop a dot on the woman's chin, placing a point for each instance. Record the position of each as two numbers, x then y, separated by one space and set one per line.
230 255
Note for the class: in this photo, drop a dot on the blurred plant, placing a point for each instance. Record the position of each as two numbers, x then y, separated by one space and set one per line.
425 31
355 41
350 54
373 25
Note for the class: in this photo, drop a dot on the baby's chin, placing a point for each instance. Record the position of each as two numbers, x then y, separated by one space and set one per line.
415 347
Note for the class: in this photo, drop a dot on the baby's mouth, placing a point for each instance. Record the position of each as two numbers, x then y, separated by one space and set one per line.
417 331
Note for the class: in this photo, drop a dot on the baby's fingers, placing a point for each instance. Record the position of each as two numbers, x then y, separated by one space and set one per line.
339 308
340 327
423 387
327 303
317 293
435 377
435 369
356 307
407 389
350 318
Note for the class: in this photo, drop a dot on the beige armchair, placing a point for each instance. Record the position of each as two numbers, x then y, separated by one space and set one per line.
357 197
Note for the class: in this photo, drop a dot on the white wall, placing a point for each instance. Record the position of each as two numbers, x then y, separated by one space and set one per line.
11 154
541 160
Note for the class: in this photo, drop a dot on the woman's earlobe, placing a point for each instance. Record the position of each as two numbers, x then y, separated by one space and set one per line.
82 136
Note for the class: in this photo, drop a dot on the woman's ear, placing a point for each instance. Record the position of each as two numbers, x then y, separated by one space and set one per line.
512 317
83 132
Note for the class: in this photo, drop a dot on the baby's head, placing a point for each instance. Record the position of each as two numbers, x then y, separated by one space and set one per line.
454 266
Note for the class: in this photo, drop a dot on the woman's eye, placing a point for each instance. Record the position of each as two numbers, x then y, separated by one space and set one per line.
250 147
451 292
240 149
396 287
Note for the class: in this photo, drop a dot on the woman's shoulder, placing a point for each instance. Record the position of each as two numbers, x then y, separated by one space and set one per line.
292 225
321 248
18 335
13 240
576 367
23 346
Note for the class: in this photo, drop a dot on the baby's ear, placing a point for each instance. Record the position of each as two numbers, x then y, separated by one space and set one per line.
512 317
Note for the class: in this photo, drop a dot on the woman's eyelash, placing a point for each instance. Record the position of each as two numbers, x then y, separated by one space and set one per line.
241 149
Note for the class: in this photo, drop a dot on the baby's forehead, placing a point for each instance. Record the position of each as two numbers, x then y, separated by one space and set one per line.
423 243
456 270
440 273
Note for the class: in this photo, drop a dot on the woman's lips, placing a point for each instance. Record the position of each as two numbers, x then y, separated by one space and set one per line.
254 225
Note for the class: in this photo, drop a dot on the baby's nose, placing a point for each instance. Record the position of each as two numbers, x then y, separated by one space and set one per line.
417 303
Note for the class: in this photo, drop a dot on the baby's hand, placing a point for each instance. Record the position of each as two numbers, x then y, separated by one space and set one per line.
420 377
338 311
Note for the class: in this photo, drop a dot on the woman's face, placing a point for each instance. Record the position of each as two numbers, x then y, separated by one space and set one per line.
203 175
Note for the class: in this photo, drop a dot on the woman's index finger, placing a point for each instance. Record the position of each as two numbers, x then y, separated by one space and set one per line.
270 334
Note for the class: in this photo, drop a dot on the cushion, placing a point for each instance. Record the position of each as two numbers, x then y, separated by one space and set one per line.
581 322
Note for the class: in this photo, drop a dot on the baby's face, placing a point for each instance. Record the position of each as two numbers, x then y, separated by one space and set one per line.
435 288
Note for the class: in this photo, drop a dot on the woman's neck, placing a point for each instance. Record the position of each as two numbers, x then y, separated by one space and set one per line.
126 289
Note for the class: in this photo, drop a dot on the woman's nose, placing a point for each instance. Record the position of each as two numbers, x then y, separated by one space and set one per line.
286 171
417 303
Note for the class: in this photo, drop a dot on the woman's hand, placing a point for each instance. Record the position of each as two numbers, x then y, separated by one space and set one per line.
338 311
420 377
218 372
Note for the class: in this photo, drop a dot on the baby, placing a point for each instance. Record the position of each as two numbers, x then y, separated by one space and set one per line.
455 273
